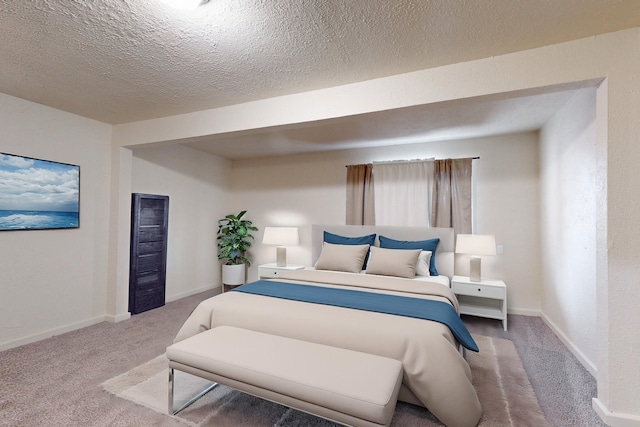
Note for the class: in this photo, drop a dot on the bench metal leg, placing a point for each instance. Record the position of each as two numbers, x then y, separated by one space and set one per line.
190 401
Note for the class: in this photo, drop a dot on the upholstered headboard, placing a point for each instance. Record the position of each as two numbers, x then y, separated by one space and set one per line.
444 253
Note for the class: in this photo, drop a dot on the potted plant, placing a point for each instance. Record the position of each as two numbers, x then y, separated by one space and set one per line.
234 238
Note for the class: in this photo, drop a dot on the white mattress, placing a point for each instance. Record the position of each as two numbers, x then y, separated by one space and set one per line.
441 279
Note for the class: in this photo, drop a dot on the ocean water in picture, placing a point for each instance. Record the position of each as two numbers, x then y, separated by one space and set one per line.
25 220
38 194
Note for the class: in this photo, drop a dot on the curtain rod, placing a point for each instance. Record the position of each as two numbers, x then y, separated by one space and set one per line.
414 160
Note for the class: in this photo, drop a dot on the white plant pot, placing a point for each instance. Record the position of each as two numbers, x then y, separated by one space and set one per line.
233 274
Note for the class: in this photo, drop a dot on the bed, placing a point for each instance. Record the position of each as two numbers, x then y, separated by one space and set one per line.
436 374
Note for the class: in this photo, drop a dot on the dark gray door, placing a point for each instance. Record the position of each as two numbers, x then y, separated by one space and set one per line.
148 265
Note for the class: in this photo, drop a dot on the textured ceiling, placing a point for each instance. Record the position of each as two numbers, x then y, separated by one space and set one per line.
119 61
469 118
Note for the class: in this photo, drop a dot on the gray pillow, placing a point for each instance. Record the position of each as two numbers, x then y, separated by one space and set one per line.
393 262
347 258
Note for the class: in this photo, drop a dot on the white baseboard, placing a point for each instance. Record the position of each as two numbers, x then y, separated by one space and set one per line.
523 312
51 333
614 419
117 318
124 316
584 360
79 325
175 297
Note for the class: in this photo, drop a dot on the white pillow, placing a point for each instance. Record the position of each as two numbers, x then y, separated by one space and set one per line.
393 262
422 266
347 258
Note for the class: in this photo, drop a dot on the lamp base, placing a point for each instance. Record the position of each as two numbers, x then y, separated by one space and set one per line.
475 269
281 256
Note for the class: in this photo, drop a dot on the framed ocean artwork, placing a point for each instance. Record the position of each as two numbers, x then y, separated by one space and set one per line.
38 194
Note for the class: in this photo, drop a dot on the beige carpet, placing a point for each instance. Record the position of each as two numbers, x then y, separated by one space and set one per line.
503 389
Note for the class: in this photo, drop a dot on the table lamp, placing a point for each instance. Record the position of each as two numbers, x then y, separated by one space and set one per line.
475 245
281 236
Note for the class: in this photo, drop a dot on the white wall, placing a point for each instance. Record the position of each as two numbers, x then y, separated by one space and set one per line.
568 181
197 185
35 278
608 61
300 190
53 281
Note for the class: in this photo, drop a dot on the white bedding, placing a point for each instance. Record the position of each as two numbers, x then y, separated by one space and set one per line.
435 374
441 279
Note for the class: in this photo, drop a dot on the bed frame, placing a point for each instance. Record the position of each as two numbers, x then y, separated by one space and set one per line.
444 253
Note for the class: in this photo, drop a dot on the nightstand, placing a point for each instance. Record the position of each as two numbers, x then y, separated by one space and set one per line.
270 271
487 298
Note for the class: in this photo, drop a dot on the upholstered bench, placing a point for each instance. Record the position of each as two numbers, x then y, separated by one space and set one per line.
346 386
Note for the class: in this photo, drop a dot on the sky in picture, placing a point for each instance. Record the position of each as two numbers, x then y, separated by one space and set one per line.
30 184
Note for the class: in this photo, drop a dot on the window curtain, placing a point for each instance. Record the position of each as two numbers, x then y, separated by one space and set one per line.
403 192
452 195
360 195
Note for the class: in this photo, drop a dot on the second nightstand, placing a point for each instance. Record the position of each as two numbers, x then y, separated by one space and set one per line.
270 271
487 298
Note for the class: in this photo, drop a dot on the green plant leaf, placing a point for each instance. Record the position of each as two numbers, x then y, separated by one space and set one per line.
234 238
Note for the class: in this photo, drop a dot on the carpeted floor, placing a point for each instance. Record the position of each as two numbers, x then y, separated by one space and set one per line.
563 386
502 385
56 382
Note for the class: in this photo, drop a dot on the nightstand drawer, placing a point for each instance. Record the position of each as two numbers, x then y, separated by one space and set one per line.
478 290
487 298
267 272
272 271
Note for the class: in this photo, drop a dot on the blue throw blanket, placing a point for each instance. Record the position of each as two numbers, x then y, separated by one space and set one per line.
436 311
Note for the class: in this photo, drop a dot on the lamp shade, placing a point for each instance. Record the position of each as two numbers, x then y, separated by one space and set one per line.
281 236
474 244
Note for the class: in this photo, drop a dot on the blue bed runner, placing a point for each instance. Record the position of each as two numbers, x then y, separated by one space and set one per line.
436 311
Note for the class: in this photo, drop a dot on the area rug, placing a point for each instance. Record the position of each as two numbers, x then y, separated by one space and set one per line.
500 380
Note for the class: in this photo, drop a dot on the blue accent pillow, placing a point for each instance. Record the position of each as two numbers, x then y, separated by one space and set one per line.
425 245
342 240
